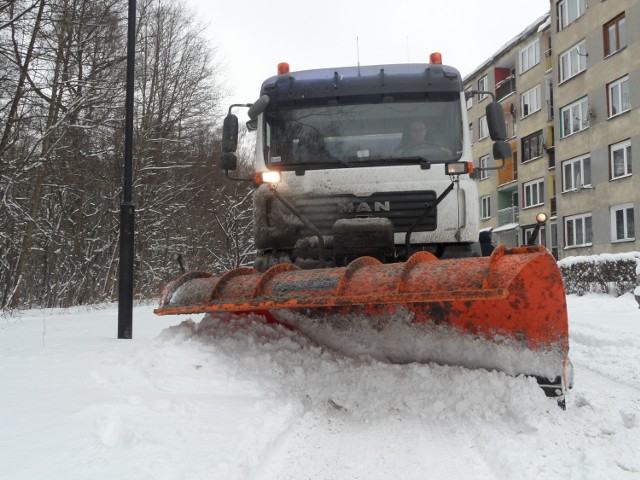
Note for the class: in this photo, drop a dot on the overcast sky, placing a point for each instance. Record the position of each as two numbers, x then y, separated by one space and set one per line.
253 36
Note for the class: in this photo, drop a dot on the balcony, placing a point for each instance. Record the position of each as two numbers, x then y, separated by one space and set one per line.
508 215
506 87
548 60
508 173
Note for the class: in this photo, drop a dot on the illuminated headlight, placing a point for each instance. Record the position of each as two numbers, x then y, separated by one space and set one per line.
541 217
459 168
269 177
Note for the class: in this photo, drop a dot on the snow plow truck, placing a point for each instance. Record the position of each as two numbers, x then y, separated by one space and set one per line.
366 227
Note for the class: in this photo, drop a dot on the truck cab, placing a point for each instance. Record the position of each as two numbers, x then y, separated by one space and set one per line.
363 161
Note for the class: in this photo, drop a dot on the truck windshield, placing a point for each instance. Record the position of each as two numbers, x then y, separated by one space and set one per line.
363 134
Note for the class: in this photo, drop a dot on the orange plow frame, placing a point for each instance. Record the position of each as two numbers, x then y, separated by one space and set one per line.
508 310
516 294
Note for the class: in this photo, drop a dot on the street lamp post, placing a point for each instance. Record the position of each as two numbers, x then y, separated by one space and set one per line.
127 209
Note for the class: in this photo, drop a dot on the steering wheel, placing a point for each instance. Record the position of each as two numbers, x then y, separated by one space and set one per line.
426 149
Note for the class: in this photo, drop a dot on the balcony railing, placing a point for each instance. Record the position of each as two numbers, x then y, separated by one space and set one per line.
508 173
508 215
506 87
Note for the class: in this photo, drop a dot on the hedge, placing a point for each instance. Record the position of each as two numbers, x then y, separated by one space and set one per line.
607 273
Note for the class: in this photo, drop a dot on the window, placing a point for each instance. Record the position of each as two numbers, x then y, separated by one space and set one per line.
484 163
576 173
471 132
532 146
615 35
553 240
485 203
618 96
483 128
469 97
530 101
569 11
577 230
540 240
533 193
530 56
483 86
622 223
620 159
574 117
573 61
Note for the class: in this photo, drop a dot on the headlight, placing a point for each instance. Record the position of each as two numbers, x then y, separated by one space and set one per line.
458 168
269 176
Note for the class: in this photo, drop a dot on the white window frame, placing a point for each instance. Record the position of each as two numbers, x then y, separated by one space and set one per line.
533 193
565 15
573 61
483 85
616 93
628 228
531 98
483 128
625 148
582 230
470 99
530 56
484 163
542 235
553 238
579 111
578 168
485 207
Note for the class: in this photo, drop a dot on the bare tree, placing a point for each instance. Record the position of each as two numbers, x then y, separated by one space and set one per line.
61 135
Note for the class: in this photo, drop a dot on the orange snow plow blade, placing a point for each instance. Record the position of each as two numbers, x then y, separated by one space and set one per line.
508 311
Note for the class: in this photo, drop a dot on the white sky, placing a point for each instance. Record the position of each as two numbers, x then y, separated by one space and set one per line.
253 36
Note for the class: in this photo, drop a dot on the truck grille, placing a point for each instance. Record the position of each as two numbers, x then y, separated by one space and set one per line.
401 208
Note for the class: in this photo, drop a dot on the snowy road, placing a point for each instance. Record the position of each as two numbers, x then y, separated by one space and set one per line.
245 400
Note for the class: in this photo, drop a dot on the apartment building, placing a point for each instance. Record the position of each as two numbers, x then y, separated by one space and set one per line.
520 76
573 81
597 97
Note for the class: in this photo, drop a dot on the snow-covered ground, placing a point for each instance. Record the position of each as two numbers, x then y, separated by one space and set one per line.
193 398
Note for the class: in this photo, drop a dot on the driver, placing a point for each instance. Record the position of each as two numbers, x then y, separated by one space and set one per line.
416 136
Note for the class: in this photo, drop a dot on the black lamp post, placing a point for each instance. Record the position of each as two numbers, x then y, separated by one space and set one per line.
127 209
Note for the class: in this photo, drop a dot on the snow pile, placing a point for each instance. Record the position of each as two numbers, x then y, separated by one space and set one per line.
394 338
236 398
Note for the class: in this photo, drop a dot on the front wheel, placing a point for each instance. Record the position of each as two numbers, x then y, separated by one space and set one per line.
265 260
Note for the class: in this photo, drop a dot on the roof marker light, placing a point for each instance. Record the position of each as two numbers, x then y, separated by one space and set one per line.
435 58
283 68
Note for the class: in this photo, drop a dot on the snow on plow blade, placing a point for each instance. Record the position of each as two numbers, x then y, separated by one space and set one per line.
506 312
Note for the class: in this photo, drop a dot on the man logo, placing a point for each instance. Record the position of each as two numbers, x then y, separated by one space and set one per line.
364 207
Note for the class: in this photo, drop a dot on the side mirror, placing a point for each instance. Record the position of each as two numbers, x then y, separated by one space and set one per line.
258 107
228 161
252 125
501 151
229 134
495 122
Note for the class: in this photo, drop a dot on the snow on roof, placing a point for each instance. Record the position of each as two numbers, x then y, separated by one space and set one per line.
537 26
504 228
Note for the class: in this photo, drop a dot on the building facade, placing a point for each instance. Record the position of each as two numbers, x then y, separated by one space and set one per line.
568 85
